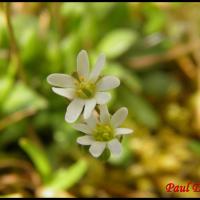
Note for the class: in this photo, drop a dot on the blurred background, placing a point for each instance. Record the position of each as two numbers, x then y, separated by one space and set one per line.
154 48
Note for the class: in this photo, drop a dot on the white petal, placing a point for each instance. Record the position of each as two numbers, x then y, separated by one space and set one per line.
65 92
104 114
91 121
83 64
85 140
61 80
96 149
102 97
74 109
83 128
119 116
89 107
98 68
123 131
115 146
107 83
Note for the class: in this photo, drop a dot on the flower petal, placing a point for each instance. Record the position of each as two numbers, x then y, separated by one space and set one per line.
102 97
89 107
123 131
98 67
83 64
96 149
61 80
104 114
83 128
107 83
119 116
91 121
85 140
65 92
115 146
74 109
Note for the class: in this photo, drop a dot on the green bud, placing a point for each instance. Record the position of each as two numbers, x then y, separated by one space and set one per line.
105 155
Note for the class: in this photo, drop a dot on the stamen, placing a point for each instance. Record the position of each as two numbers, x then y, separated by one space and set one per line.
103 132
85 89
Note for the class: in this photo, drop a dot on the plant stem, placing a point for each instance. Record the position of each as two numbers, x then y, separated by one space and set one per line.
179 50
15 117
15 55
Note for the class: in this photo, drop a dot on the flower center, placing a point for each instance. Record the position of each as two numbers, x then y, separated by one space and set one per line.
103 132
85 89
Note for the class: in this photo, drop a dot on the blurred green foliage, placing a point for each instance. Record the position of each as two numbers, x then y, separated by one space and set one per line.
156 86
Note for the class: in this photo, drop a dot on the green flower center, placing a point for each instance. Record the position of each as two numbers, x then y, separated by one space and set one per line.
85 89
103 132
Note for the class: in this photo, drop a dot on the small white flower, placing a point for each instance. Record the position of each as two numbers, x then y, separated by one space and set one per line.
86 90
103 132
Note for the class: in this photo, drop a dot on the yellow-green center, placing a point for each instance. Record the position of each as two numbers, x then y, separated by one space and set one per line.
103 132
85 89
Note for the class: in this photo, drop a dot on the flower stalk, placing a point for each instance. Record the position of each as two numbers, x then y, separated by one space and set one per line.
15 54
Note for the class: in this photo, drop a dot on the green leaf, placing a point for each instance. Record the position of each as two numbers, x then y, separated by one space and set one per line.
66 178
31 43
5 87
195 146
101 9
12 133
72 9
37 156
117 42
139 108
4 38
129 78
54 56
32 46
156 18
70 47
6 82
161 84
23 97
88 31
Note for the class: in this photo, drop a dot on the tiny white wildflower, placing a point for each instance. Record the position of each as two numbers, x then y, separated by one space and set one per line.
103 132
86 90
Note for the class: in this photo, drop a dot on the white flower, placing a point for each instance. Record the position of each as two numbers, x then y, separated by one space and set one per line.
103 132
86 90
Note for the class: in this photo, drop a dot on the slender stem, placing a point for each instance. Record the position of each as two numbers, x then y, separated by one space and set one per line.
15 55
187 66
15 117
172 54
